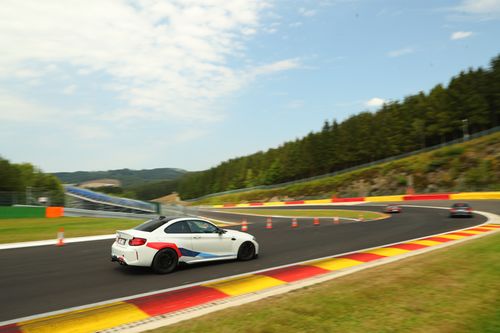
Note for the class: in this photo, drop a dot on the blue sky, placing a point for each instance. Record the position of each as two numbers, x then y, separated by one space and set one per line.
99 85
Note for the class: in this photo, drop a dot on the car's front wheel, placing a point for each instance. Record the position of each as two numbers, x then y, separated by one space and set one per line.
246 251
165 261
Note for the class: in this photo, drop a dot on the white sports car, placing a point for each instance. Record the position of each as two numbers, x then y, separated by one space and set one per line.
164 242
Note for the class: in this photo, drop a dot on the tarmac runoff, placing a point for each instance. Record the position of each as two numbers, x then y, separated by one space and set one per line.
46 242
147 311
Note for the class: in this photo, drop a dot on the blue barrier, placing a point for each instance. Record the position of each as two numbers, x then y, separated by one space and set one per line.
110 200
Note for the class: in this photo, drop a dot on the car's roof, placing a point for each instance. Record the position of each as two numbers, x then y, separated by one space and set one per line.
155 223
460 204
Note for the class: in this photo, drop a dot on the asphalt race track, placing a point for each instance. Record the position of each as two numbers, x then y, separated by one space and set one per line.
48 278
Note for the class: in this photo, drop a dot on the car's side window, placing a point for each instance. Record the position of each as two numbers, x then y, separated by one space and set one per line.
202 227
178 228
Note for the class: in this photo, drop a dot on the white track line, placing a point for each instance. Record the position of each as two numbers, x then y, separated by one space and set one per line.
46 242
190 313
9 246
492 218
291 217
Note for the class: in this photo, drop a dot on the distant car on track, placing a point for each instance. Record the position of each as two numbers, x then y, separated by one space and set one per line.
392 209
461 209
164 242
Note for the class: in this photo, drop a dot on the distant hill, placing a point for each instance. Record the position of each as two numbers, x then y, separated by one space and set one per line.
127 177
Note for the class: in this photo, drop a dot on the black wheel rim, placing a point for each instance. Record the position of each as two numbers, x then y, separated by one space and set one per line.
166 260
247 250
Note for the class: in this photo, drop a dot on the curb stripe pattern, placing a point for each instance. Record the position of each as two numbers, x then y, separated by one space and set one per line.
388 198
119 313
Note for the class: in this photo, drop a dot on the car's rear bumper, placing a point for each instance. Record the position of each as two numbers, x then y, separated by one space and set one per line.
461 214
120 260
134 256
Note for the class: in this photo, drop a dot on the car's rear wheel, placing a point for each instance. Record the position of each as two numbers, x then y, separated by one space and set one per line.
246 251
165 261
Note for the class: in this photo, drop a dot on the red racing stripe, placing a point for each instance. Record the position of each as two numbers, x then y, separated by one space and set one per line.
296 202
294 273
348 199
256 203
12 328
176 300
441 196
161 245
438 239
407 246
460 234
364 257
479 229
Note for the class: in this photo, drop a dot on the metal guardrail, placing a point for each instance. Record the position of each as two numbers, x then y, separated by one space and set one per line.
104 199
102 213
361 166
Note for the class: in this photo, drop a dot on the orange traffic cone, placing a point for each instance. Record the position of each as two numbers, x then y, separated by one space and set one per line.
336 220
244 225
269 224
294 223
316 221
60 237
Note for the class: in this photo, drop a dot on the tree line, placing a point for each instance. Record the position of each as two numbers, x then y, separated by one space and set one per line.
470 102
24 184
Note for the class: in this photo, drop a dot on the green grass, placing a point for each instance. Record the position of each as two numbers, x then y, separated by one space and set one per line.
312 213
456 289
21 230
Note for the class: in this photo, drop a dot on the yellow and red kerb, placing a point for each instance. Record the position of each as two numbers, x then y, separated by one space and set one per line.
118 313
387 198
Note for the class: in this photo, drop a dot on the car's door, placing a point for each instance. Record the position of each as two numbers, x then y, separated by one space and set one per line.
178 233
208 241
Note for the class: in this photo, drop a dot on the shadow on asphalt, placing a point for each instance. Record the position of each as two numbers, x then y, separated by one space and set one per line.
139 271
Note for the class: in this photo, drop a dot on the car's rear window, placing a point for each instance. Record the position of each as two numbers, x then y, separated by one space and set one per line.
152 225
460 205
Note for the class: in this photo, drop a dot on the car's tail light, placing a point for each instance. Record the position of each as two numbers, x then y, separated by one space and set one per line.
469 209
453 210
137 241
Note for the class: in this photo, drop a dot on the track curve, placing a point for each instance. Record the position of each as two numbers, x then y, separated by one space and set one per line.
48 278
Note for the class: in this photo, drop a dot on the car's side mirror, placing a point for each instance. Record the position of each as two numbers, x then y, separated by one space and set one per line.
221 231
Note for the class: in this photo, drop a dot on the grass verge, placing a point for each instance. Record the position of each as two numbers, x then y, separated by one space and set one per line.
354 214
30 229
456 289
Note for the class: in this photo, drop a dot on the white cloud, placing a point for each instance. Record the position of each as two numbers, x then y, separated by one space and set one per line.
307 12
88 132
278 66
295 104
375 102
70 90
400 52
189 135
482 9
479 6
166 59
460 35
295 24
16 109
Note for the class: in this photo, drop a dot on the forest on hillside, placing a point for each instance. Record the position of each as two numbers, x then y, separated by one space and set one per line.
126 176
418 121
